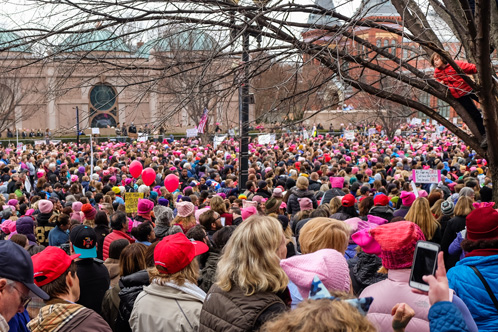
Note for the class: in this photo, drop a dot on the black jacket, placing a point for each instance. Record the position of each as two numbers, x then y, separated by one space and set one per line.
293 202
131 286
330 194
363 271
314 185
208 274
94 282
385 212
453 227
263 193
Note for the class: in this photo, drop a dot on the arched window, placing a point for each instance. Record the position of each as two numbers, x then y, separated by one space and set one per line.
379 43
103 106
393 46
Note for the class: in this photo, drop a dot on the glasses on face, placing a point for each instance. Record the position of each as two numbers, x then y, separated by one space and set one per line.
24 299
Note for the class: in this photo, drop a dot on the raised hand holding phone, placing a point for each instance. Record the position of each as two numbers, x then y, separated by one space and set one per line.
424 263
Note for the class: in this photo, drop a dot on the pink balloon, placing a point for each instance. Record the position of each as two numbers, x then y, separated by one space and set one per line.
148 176
136 168
171 182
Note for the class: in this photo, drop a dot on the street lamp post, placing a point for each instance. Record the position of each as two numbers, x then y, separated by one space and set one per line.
244 115
77 128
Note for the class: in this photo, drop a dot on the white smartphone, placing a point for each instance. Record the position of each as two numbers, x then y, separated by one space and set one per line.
424 263
223 221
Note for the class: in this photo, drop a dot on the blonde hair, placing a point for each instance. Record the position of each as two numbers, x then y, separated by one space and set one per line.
334 205
321 315
188 273
217 204
186 223
436 209
302 183
324 233
464 206
421 215
250 259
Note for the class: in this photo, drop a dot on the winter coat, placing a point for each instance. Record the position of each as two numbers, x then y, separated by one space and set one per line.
314 185
445 317
130 286
401 212
449 77
161 231
62 316
395 289
330 194
112 265
293 201
385 212
208 274
363 271
234 311
454 226
263 193
56 237
113 236
167 308
470 289
110 307
43 228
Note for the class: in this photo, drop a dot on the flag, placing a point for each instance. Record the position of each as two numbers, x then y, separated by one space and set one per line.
202 123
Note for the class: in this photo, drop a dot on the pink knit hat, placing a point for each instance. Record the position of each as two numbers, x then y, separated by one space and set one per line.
8 226
397 243
366 242
77 206
184 209
328 264
337 182
45 206
422 193
248 211
407 198
305 203
145 206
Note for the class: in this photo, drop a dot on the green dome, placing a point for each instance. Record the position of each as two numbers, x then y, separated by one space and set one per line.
188 40
9 40
94 41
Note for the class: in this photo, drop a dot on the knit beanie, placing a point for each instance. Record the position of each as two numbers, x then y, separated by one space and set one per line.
89 211
397 243
145 206
25 225
407 198
163 214
163 202
248 211
77 206
184 209
482 224
305 203
45 206
337 182
328 264
447 208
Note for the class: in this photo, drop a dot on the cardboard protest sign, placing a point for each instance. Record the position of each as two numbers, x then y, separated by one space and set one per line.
131 201
426 175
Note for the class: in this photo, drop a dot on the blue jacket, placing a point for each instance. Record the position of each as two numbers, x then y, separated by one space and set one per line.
56 237
445 317
470 289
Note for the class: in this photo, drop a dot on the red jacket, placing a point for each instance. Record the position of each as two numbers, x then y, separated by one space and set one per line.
449 77
111 237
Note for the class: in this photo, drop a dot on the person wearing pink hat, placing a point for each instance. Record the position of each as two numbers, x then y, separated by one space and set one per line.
144 212
185 216
44 225
407 199
328 264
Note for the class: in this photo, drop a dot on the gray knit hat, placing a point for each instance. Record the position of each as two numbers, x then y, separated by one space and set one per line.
163 214
447 208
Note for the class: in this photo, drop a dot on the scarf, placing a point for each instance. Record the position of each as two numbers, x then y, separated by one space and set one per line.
482 252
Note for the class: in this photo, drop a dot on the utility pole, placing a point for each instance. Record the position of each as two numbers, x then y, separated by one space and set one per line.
244 115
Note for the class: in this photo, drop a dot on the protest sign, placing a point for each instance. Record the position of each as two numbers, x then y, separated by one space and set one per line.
218 140
95 131
273 138
372 131
414 188
264 139
416 121
142 137
192 132
426 175
131 201
349 134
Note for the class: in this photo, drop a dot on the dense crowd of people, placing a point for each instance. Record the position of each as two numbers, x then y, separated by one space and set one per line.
320 238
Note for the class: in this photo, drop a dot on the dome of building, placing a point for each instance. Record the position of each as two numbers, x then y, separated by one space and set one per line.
94 41
377 8
186 40
9 42
319 21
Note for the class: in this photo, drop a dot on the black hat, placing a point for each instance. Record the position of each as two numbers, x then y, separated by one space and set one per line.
84 241
262 184
16 265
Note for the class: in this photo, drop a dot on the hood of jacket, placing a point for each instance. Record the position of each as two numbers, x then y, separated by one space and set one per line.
186 292
302 193
140 278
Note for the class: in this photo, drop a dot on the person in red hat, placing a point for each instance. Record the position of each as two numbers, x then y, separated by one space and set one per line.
479 267
347 209
381 207
55 273
173 301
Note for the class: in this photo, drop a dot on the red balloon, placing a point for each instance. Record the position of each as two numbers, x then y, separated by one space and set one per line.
136 168
171 182
148 176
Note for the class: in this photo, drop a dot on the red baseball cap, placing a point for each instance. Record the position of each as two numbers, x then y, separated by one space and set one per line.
348 200
175 252
50 264
381 199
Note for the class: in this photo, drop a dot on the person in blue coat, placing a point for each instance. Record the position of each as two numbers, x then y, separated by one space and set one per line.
59 234
481 246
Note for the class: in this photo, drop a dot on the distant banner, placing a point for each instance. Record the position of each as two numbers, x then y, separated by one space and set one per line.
218 140
54 142
131 201
426 175
372 131
264 139
416 121
349 134
142 137
192 132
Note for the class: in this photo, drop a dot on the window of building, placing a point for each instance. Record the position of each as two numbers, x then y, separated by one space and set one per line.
103 106
443 108
379 43
393 46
